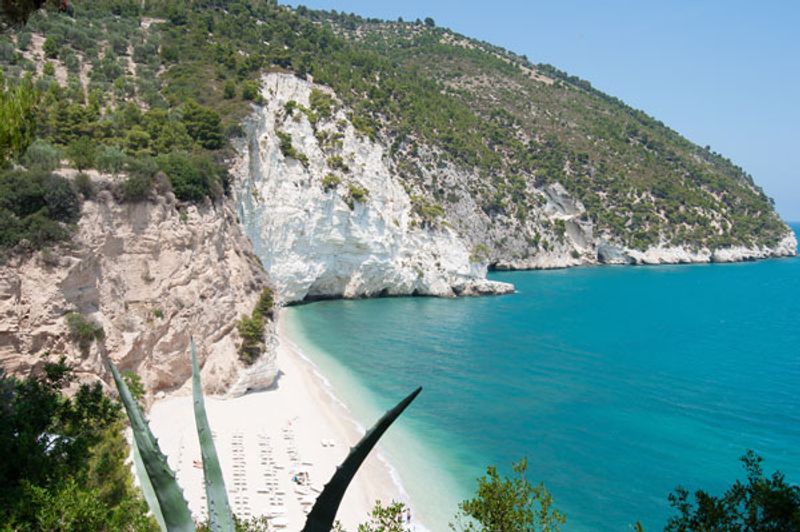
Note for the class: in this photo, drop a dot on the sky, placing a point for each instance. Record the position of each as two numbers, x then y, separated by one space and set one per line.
722 73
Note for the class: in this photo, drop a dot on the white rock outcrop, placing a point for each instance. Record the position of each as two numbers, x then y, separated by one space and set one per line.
151 274
316 238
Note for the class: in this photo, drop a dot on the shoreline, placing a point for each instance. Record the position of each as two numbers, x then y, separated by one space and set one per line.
276 432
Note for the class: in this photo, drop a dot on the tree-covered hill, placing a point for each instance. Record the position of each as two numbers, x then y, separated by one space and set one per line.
160 80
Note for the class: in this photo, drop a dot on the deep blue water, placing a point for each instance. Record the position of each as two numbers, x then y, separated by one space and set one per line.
617 383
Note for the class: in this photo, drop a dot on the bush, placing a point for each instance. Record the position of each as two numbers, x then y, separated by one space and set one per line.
81 152
23 40
356 193
50 48
41 155
288 150
251 329
192 176
49 69
110 159
229 90
265 302
203 125
84 185
140 180
330 181
337 163
83 331
251 91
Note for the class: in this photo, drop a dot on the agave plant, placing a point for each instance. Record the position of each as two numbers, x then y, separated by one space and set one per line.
169 505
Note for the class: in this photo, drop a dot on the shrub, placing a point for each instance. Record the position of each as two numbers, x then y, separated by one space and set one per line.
288 150
81 152
356 193
229 90
265 302
50 48
61 198
83 331
23 40
251 329
192 176
110 159
84 185
203 125
140 180
251 91
321 103
337 163
41 155
330 181
49 69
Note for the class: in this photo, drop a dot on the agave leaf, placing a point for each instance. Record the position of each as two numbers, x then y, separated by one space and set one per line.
174 509
147 486
220 518
321 517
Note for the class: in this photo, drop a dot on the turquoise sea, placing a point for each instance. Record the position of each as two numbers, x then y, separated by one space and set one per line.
617 383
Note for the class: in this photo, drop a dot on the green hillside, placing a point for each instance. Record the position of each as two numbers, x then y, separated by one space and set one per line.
149 82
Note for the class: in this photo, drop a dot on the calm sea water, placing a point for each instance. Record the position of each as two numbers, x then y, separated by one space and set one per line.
617 383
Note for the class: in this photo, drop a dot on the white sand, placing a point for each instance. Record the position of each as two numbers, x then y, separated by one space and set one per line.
256 435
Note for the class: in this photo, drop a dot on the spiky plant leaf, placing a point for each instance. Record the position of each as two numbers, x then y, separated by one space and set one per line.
220 518
174 509
146 486
321 517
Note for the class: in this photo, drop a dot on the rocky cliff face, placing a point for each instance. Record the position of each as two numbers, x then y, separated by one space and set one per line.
150 274
334 213
329 217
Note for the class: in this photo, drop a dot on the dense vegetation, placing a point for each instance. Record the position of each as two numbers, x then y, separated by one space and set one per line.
176 84
63 465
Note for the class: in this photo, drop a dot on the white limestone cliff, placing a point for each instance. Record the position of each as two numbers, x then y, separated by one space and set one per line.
316 242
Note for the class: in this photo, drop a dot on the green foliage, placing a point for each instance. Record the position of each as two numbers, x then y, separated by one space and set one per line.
356 193
251 91
193 176
337 163
762 503
64 465
110 159
42 156
83 331
330 182
229 90
426 209
35 206
81 153
49 69
266 303
203 125
321 103
509 504
134 383
389 518
251 329
50 48
288 150
84 185
141 178
17 117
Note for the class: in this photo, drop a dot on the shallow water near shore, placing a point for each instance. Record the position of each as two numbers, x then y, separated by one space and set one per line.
617 383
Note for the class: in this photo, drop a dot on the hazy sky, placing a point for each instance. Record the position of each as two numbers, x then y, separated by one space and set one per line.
722 73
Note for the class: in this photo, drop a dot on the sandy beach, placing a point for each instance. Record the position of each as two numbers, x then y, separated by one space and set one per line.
264 439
